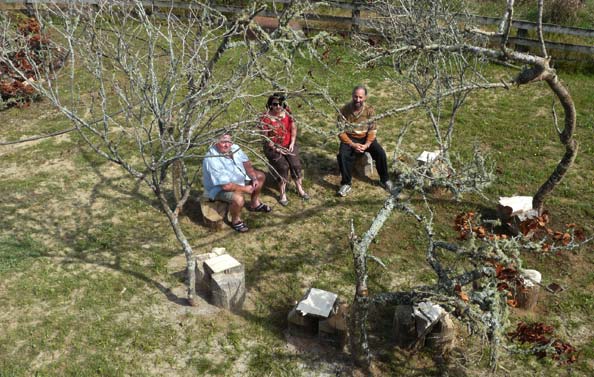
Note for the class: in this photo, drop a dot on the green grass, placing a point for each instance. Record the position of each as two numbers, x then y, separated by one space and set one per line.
15 253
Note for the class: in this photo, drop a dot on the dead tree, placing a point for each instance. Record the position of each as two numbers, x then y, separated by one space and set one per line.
436 53
149 91
432 53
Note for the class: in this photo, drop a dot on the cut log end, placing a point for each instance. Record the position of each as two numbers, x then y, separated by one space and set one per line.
213 213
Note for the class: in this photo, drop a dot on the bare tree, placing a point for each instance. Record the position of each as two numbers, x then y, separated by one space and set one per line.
436 59
431 52
148 89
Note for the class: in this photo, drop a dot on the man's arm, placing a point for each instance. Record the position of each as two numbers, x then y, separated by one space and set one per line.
371 128
343 136
251 172
236 187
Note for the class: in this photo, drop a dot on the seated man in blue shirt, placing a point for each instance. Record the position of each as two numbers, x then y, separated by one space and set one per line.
228 174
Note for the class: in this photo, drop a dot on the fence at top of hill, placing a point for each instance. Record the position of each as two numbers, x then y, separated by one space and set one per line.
357 17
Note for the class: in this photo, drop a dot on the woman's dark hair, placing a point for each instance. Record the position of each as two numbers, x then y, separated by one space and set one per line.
279 97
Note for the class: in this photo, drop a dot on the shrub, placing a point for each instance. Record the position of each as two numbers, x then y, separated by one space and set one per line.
14 89
562 11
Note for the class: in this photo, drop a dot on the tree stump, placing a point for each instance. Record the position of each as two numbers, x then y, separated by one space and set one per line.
404 326
213 212
301 325
527 295
365 166
226 282
435 330
333 330
443 336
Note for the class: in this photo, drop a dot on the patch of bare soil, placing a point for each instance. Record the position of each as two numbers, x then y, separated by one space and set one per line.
324 360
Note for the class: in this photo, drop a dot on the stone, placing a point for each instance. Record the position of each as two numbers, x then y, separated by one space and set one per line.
513 210
319 312
202 277
218 251
434 168
426 158
224 263
527 295
364 166
521 206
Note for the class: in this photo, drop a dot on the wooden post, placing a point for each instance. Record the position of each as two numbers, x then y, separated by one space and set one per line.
355 17
522 33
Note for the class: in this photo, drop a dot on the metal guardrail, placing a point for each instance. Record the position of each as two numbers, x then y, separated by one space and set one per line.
355 21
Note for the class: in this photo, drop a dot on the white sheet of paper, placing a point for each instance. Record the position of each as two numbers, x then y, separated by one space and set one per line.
521 206
427 157
318 302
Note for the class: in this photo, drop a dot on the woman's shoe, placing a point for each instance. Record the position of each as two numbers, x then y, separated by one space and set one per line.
284 202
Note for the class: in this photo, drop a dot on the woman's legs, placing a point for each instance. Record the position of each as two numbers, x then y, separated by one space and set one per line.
281 170
282 189
296 170
299 185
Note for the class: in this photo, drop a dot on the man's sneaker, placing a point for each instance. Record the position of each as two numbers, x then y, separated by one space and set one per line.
388 186
344 190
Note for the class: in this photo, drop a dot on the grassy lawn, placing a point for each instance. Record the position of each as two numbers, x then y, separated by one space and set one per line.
91 279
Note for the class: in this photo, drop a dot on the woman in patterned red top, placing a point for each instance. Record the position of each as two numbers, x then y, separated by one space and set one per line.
280 146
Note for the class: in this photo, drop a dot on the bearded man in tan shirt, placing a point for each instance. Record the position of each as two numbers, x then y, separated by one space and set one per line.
358 140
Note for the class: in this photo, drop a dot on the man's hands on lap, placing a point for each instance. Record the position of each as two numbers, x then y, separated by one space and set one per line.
360 148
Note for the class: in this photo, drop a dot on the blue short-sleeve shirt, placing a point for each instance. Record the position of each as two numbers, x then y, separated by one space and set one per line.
218 170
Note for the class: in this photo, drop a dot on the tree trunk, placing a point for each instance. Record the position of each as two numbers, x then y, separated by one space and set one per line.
358 323
181 237
176 179
358 320
566 137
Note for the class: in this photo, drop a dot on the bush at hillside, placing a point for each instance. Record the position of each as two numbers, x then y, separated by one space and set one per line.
16 90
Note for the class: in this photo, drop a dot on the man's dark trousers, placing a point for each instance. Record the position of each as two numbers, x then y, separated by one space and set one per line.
346 158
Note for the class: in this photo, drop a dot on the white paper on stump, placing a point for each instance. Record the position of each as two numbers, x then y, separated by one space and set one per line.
318 302
521 206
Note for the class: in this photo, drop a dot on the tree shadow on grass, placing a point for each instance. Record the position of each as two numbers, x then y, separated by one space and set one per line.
93 238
